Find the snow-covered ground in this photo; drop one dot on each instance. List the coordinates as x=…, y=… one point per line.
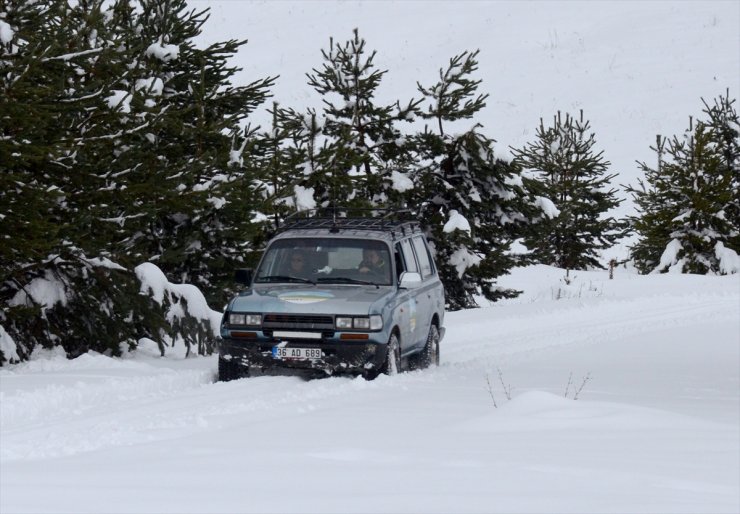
x=655, y=361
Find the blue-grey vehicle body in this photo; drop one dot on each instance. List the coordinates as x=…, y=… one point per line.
x=338, y=313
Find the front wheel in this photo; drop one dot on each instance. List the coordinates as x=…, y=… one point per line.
x=228, y=370
x=430, y=353
x=392, y=364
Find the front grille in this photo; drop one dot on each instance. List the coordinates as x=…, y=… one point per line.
x=325, y=334
x=298, y=322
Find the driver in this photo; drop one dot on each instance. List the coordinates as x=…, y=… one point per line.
x=372, y=262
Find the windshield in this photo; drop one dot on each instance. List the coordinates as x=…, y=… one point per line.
x=326, y=261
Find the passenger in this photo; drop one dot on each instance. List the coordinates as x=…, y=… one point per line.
x=297, y=267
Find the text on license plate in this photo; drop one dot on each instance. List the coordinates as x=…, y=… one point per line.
x=296, y=353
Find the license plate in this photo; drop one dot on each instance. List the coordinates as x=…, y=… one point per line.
x=284, y=353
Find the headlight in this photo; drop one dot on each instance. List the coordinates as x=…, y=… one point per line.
x=343, y=322
x=374, y=322
x=254, y=319
x=362, y=323
x=245, y=319
x=237, y=319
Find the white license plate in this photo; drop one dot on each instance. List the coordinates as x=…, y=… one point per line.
x=279, y=352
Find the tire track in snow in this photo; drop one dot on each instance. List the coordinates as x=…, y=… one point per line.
x=88, y=416
x=187, y=402
x=476, y=345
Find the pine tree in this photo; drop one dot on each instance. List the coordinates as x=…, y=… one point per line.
x=724, y=123
x=564, y=169
x=182, y=180
x=50, y=291
x=123, y=145
x=362, y=144
x=688, y=204
x=469, y=201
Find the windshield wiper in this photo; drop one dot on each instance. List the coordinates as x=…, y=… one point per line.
x=346, y=280
x=284, y=278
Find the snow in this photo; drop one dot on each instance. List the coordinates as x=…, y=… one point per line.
x=729, y=261
x=463, y=259
x=548, y=207
x=401, y=182
x=669, y=259
x=103, y=262
x=456, y=222
x=6, y=32
x=656, y=428
x=8, y=347
x=163, y=52
x=155, y=282
x=120, y=101
x=217, y=202
x=304, y=199
x=154, y=85
x=45, y=291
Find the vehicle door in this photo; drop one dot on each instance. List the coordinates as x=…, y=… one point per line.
x=426, y=295
x=407, y=306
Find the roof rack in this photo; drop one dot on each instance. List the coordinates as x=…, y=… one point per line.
x=346, y=218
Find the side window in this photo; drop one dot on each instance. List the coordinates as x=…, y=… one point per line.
x=422, y=254
x=398, y=256
x=408, y=255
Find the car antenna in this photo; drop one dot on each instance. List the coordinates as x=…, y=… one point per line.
x=334, y=228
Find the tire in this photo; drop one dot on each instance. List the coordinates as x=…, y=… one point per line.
x=392, y=365
x=228, y=370
x=430, y=354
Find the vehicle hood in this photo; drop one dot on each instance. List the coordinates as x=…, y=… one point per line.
x=308, y=299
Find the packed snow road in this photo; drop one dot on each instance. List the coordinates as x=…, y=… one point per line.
x=654, y=361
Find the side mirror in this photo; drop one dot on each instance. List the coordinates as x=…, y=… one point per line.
x=243, y=276
x=410, y=280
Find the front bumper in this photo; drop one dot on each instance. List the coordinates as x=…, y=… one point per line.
x=362, y=357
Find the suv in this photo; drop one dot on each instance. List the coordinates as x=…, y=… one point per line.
x=336, y=295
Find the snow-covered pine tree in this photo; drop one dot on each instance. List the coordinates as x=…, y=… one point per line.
x=286, y=157
x=180, y=166
x=688, y=204
x=723, y=120
x=361, y=145
x=53, y=289
x=29, y=200
x=562, y=167
x=470, y=202
x=117, y=137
